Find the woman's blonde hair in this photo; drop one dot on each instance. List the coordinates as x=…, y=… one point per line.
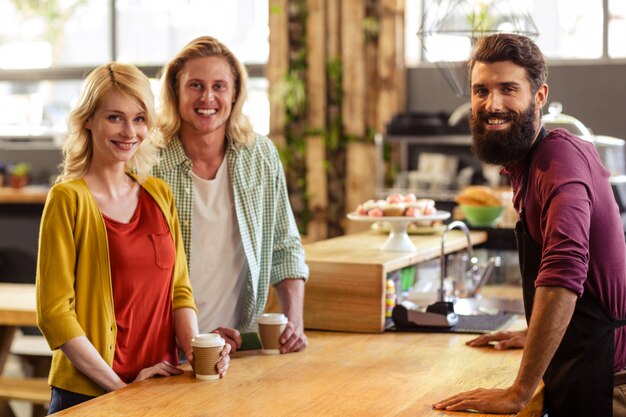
x=78, y=147
x=238, y=129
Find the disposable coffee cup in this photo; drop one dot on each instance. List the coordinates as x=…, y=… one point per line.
x=271, y=327
x=206, y=354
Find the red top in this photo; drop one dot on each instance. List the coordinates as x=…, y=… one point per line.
x=142, y=257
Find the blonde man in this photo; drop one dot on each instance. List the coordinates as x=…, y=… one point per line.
x=239, y=232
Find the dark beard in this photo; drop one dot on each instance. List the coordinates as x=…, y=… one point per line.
x=503, y=147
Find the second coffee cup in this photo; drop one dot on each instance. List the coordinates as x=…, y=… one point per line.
x=206, y=354
x=271, y=327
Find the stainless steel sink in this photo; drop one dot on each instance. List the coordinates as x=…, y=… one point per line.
x=480, y=305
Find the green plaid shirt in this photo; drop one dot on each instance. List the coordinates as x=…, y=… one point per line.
x=268, y=230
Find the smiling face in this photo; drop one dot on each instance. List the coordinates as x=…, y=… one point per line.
x=206, y=93
x=118, y=126
x=505, y=112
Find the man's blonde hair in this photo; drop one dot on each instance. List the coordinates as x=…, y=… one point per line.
x=238, y=128
x=78, y=147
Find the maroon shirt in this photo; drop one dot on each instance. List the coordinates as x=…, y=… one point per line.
x=571, y=212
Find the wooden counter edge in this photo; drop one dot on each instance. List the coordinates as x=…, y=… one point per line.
x=26, y=195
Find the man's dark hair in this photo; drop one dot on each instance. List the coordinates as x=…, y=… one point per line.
x=518, y=49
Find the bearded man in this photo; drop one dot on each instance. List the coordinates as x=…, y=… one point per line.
x=570, y=242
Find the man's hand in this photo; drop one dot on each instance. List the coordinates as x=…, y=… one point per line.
x=293, y=338
x=291, y=297
x=504, y=340
x=498, y=401
x=232, y=337
x=160, y=369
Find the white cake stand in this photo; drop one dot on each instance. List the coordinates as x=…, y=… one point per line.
x=398, y=240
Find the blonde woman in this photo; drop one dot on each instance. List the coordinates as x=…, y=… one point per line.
x=228, y=183
x=113, y=293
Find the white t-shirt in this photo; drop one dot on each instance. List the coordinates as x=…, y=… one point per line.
x=218, y=269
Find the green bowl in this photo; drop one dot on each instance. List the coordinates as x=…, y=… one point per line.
x=482, y=216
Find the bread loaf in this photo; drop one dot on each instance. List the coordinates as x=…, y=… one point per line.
x=478, y=195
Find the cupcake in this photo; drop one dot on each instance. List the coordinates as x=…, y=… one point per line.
x=394, y=205
x=394, y=209
x=370, y=208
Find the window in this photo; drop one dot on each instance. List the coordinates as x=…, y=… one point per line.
x=46, y=49
x=568, y=29
x=55, y=33
x=617, y=28
x=150, y=32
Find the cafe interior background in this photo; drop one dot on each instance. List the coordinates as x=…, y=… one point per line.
x=362, y=97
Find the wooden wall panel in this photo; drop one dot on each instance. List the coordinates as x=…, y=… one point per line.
x=333, y=24
x=360, y=180
x=373, y=85
x=316, y=62
x=390, y=62
x=316, y=91
x=353, y=58
x=277, y=66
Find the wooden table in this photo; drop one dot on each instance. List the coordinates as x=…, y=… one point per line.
x=17, y=308
x=339, y=374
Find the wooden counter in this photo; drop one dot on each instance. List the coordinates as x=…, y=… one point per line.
x=26, y=195
x=339, y=374
x=346, y=287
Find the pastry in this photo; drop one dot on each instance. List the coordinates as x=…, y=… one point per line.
x=478, y=195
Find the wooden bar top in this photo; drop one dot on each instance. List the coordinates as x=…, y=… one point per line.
x=339, y=374
x=31, y=194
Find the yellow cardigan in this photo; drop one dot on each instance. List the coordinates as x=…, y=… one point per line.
x=74, y=295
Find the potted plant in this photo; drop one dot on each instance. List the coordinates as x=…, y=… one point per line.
x=18, y=175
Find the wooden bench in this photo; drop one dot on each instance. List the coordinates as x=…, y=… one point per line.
x=34, y=390
x=35, y=356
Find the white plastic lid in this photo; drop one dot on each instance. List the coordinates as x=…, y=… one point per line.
x=208, y=340
x=272, y=318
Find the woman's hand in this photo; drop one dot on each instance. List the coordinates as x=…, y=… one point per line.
x=224, y=362
x=160, y=369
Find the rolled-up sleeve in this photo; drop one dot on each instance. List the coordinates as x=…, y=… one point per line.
x=288, y=253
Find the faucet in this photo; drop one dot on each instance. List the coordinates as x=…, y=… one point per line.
x=477, y=279
x=441, y=313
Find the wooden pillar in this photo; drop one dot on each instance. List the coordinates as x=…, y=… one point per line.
x=353, y=58
x=316, y=91
x=360, y=181
x=277, y=66
x=391, y=71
